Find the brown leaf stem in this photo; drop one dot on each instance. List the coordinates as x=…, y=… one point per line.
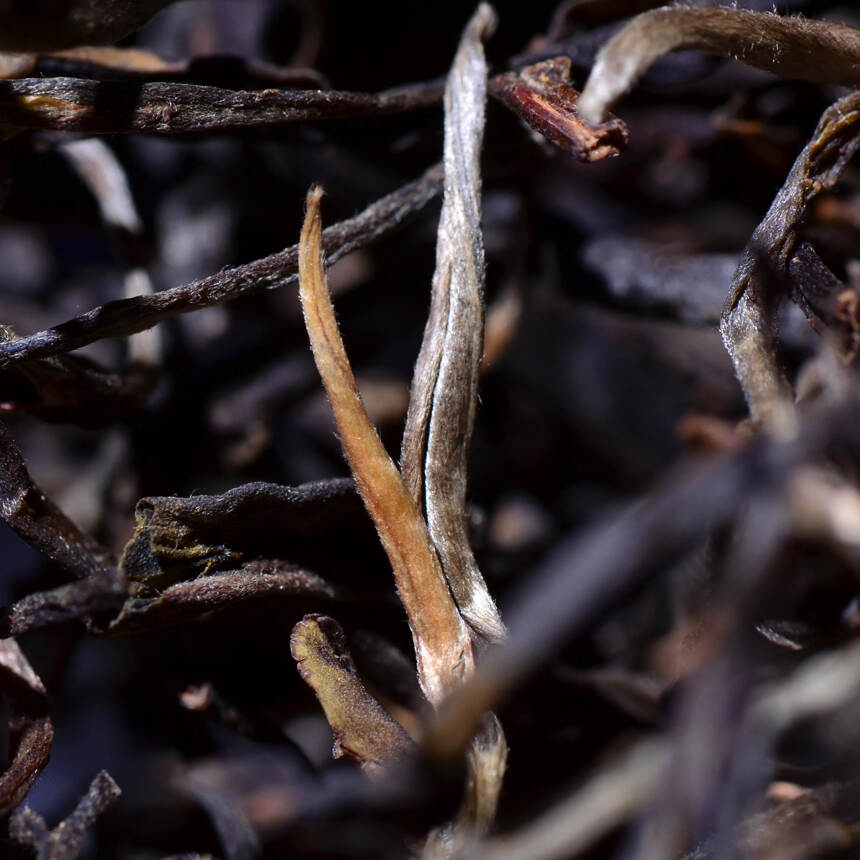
x=171, y=108
x=541, y=95
x=128, y=316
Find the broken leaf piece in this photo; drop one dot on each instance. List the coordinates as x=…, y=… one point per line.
x=89, y=600
x=70, y=389
x=30, y=733
x=37, y=520
x=541, y=95
x=828, y=303
x=66, y=840
x=362, y=729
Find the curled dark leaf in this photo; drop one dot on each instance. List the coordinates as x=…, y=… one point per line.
x=66, y=840
x=827, y=301
x=178, y=539
x=92, y=600
x=190, y=558
x=70, y=389
x=749, y=322
x=30, y=732
x=255, y=584
x=33, y=516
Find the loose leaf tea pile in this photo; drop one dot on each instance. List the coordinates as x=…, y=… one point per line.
x=429, y=435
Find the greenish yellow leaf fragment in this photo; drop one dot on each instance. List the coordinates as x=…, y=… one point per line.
x=362, y=729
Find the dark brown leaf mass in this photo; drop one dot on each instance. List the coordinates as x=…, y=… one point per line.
x=519, y=472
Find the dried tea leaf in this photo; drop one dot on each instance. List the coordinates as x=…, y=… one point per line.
x=749, y=325
x=105, y=58
x=487, y=760
x=441, y=414
x=25, y=65
x=90, y=600
x=541, y=95
x=128, y=316
x=828, y=303
x=443, y=647
x=30, y=730
x=442, y=403
x=66, y=840
x=177, y=539
x=588, y=572
x=255, y=583
x=70, y=389
x=100, y=170
x=36, y=519
x=793, y=47
x=362, y=729
x=118, y=106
